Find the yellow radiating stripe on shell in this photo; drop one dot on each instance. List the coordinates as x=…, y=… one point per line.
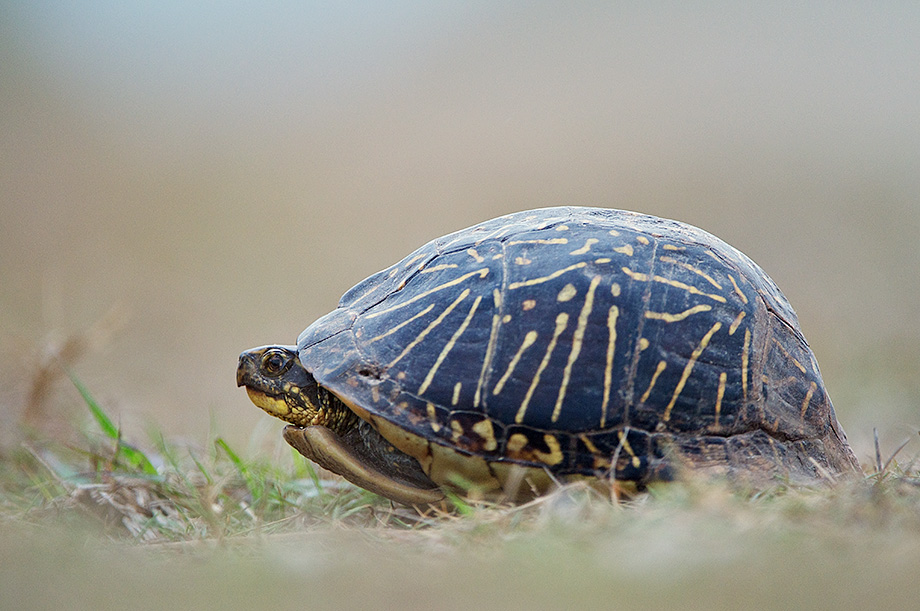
x=612, y=315
x=529, y=339
x=577, y=340
x=808, y=395
x=689, y=368
x=555, y=274
x=584, y=249
x=744, y=363
x=549, y=241
x=567, y=293
x=562, y=320
x=691, y=268
x=668, y=317
x=429, y=328
x=736, y=323
x=648, y=391
x=456, y=396
x=401, y=325
x=437, y=268
x=719, y=394
x=490, y=347
x=640, y=277
x=449, y=346
x=738, y=290
x=482, y=273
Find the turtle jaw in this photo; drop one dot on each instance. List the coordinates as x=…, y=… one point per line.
x=277, y=383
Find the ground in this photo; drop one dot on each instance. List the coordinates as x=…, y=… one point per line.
x=99, y=524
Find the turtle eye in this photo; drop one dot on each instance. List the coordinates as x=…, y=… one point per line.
x=275, y=362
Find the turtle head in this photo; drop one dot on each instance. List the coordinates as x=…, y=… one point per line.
x=277, y=382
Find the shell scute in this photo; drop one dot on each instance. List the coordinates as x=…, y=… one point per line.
x=576, y=340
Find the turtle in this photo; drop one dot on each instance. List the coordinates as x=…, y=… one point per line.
x=551, y=345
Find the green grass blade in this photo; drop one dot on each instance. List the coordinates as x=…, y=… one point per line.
x=105, y=423
x=254, y=490
x=132, y=456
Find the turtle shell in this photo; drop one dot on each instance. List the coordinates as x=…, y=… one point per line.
x=580, y=342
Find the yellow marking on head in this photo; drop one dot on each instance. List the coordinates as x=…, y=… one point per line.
x=517, y=442
x=615, y=289
x=614, y=232
x=433, y=417
x=275, y=406
x=672, y=247
x=626, y=249
x=528, y=304
x=736, y=323
x=603, y=260
x=643, y=344
x=522, y=261
x=437, y=268
x=738, y=290
x=434, y=323
x=691, y=268
x=624, y=443
x=584, y=249
x=562, y=228
x=456, y=396
x=506, y=318
x=449, y=346
x=642, y=239
x=482, y=273
x=375, y=394
x=490, y=348
x=498, y=256
x=668, y=317
x=567, y=293
x=541, y=280
x=472, y=252
x=612, y=315
x=808, y=395
x=562, y=320
x=393, y=272
x=648, y=391
x=401, y=325
x=549, y=241
x=483, y=428
x=577, y=339
x=529, y=339
x=744, y=363
x=640, y=277
x=689, y=368
x=719, y=394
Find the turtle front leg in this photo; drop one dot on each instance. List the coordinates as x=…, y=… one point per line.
x=357, y=464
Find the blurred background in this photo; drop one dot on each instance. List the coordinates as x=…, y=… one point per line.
x=182, y=181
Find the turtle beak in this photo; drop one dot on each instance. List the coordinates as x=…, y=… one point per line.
x=245, y=368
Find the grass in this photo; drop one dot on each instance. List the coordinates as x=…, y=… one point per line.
x=104, y=524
